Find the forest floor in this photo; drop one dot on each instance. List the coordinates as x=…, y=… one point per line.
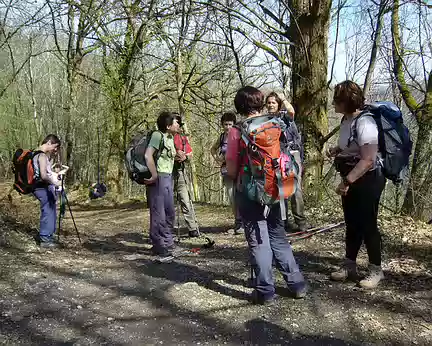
x=108, y=291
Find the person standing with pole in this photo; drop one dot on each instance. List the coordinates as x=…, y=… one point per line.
x=182, y=181
x=45, y=188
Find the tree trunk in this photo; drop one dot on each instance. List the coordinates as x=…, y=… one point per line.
x=309, y=28
x=419, y=187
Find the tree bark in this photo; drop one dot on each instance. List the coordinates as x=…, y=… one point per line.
x=309, y=26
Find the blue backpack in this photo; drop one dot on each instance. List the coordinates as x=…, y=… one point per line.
x=394, y=141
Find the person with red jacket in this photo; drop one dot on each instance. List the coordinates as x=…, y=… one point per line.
x=182, y=180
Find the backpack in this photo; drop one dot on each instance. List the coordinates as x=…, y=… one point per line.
x=292, y=133
x=135, y=161
x=24, y=170
x=268, y=173
x=394, y=141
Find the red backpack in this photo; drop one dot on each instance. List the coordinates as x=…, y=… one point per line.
x=24, y=170
x=268, y=171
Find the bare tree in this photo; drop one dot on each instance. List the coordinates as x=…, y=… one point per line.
x=376, y=42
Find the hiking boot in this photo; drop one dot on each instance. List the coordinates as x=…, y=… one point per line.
x=290, y=227
x=239, y=231
x=373, y=278
x=194, y=234
x=348, y=270
x=49, y=245
x=302, y=227
x=161, y=251
x=298, y=292
x=257, y=299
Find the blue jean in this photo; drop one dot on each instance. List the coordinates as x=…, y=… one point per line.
x=48, y=217
x=162, y=212
x=267, y=239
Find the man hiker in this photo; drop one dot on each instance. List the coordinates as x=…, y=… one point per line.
x=264, y=229
x=218, y=151
x=275, y=105
x=46, y=183
x=160, y=185
x=182, y=181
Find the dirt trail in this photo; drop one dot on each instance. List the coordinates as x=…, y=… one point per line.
x=99, y=294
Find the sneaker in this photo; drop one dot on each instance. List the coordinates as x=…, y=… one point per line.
x=176, y=250
x=257, y=299
x=348, y=270
x=165, y=258
x=373, y=278
x=194, y=234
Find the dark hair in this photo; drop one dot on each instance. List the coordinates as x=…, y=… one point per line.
x=51, y=138
x=277, y=98
x=350, y=95
x=164, y=120
x=179, y=119
x=248, y=100
x=228, y=116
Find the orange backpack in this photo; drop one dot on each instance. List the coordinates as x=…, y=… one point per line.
x=23, y=168
x=268, y=172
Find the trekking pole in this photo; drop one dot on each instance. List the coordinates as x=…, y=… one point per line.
x=61, y=214
x=70, y=210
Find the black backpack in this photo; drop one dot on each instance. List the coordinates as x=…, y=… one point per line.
x=135, y=161
x=394, y=141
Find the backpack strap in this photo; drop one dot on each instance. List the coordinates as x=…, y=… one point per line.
x=161, y=144
x=221, y=137
x=353, y=131
x=281, y=195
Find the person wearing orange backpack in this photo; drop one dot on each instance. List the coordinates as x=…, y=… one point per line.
x=45, y=189
x=263, y=171
x=275, y=105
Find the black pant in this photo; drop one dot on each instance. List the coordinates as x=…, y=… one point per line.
x=360, y=208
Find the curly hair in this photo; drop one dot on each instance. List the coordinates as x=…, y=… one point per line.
x=350, y=95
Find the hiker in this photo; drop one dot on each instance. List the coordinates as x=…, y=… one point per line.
x=362, y=183
x=265, y=234
x=182, y=181
x=218, y=151
x=160, y=185
x=45, y=190
x=275, y=105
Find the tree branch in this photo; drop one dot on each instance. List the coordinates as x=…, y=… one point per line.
x=398, y=68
